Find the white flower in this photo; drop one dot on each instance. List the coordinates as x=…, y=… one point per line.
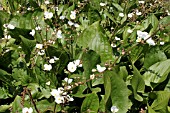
x=56, y=92
x=138, y=13
x=114, y=109
x=167, y=12
x=59, y=34
x=116, y=38
x=51, y=61
x=39, y=46
x=47, y=2
x=121, y=14
x=130, y=15
x=68, y=87
x=48, y=15
x=141, y=2
x=41, y=52
x=10, y=26
x=143, y=35
x=93, y=70
x=55, y=58
x=32, y=32
x=113, y=45
x=150, y=41
x=78, y=63
x=47, y=67
x=7, y=36
x=5, y=25
x=70, y=23
x=60, y=89
x=76, y=25
x=138, y=40
x=59, y=99
x=38, y=28
x=71, y=67
x=73, y=15
x=29, y=8
x=102, y=4
x=56, y=8
x=48, y=83
x=100, y=69
x=68, y=80
x=62, y=17
x=70, y=98
x=129, y=31
x=27, y=110
x=92, y=76
x=162, y=43
x=51, y=41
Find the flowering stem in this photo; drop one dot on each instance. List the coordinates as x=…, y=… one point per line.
x=114, y=63
x=33, y=102
x=23, y=96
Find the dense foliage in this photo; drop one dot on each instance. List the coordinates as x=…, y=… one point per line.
x=88, y=56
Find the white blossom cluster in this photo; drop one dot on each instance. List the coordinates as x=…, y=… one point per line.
x=145, y=36
x=72, y=66
x=48, y=67
x=7, y=27
x=40, y=48
x=61, y=96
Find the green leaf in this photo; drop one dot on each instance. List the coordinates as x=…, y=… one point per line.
x=150, y=110
x=161, y=102
x=4, y=108
x=123, y=19
x=94, y=38
x=167, y=87
x=138, y=84
x=154, y=22
x=119, y=92
x=3, y=93
x=93, y=15
x=80, y=91
x=107, y=87
x=165, y=21
x=90, y=59
x=95, y=4
x=5, y=77
x=118, y=7
x=90, y=104
x=16, y=105
x=110, y=16
x=136, y=53
x=97, y=81
x=102, y=104
x=27, y=21
x=21, y=75
x=45, y=105
x=123, y=72
x=34, y=88
x=157, y=73
x=27, y=44
x=153, y=56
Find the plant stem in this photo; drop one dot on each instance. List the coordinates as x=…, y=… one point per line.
x=29, y=93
